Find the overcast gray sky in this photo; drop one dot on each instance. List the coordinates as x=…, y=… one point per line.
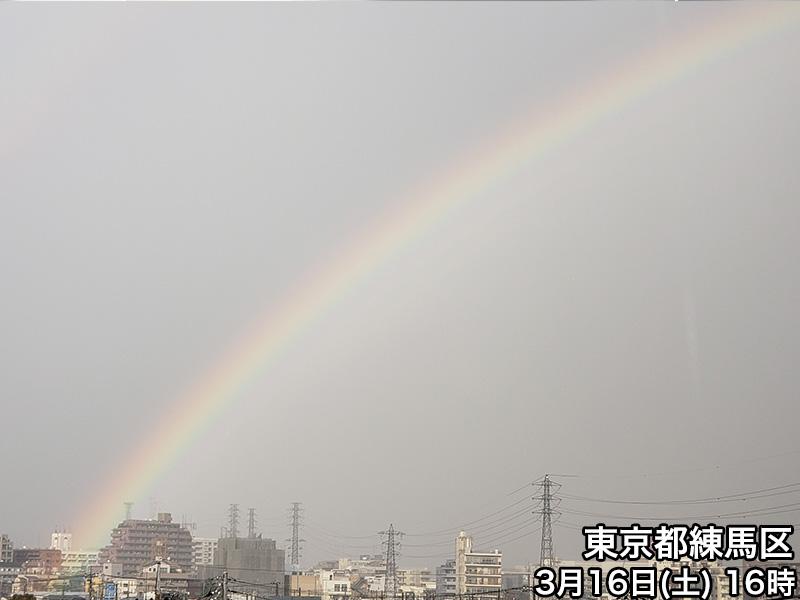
x=624, y=305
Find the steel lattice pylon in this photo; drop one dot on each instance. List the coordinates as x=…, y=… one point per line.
x=294, y=551
x=233, y=521
x=392, y=545
x=549, y=503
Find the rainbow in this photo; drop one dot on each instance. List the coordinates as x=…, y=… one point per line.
x=525, y=140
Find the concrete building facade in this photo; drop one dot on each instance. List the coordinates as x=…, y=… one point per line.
x=257, y=560
x=8, y=574
x=416, y=583
x=334, y=585
x=137, y=543
x=477, y=572
x=38, y=561
x=446, y=578
x=77, y=562
x=61, y=540
x=169, y=579
x=203, y=550
x=302, y=584
x=6, y=549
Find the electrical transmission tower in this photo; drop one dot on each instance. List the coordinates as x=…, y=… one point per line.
x=549, y=503
x=392, y=545
x=294, y=552
x=233, y=521
x=251, y=522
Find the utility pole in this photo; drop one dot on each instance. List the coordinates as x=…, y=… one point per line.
x=294, y=553
x=233, y=521
x=392, y=545
x=530, y=581
x=251, y=522
x=224, y=585
x=549, y=502
x=158, y=579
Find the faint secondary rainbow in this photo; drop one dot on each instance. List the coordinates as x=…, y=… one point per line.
x=525, y=140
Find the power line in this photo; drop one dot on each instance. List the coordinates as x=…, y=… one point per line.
x=254, y=569
x=465, y=525
x=519, y=537
x=486, y=523
x=766, y=511
x=499, y=535
x=339, y=535
x=780, y=490
x=700, y=469
x=487, y=529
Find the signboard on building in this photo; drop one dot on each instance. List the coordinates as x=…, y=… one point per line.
x=110, y=591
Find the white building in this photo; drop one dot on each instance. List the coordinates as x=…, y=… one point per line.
x=446, y=578
x=419, y=582
x=477, y=572
x=126, y=588
x=334, y=585
x=169, y=578
x=76, y=562
x=203, y=550
x=365, y=573
x=61, y=540
x=112, y=569
x=6, y=548
x=8, y=574
x=363, y=565
x=159, y=568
